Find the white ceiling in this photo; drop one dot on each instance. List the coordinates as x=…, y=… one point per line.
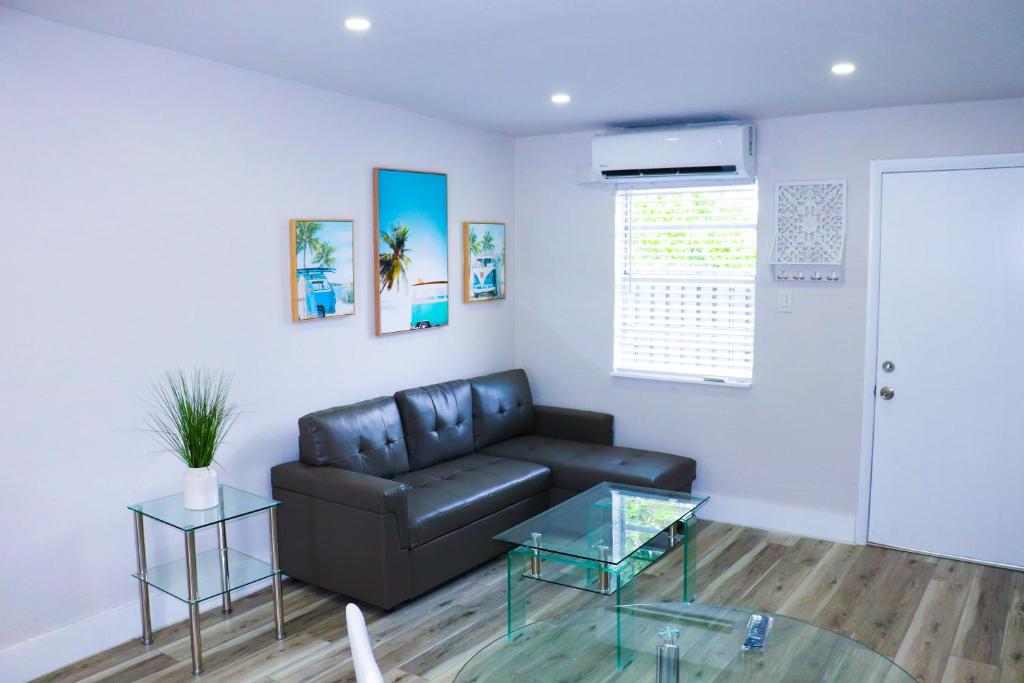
x=493, y=64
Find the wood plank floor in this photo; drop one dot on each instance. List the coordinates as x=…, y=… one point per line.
x=943, y=621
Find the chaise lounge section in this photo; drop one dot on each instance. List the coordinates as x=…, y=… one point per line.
x=394, y=496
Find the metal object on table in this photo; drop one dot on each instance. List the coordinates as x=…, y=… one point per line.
x=140, y=563
x=225, y=570
x=533, y=562
x=275, y=566
x=193, y=605
x=604, y=578
x=668, y=656
x=886, y=393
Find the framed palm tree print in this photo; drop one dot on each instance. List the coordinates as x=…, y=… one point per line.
x=323, y=268
x=411, y=252
x=483, y=259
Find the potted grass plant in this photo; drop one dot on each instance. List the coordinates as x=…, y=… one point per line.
x=191, y=415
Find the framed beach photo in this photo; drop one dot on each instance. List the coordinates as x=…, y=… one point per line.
x=323, y=268
x=411, y=254
x=483, y=259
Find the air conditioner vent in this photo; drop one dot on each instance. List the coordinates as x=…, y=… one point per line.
x=662, y=172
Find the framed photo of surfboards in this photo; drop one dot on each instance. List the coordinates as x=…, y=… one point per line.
x=323, y=269
x=483, y=258
x=411, y=254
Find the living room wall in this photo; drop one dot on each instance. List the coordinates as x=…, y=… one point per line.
x=786, y=452
x=145, y=210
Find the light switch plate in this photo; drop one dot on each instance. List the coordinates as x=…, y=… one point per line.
x=785, y=301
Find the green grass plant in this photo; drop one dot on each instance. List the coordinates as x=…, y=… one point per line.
x=192, y=414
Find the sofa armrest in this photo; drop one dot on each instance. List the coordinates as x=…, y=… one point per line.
x=345, y=487
x=344, y=531
x=575, y=425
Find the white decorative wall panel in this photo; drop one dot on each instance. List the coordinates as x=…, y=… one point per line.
x=810, y=231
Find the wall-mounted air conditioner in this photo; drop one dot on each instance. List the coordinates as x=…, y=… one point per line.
x=697, y=153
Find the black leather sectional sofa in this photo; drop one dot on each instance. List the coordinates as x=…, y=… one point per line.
x=396, y=495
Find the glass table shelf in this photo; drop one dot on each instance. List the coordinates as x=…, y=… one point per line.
x=172, y=577
x=234, y=503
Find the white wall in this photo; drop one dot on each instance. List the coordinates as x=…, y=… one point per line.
x=145, y=205
x=145, y=201
x=784, y=453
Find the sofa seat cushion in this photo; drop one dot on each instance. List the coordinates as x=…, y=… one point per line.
x=460, y=491
x=576, y=465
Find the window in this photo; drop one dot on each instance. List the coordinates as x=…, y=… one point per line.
x=685, y=260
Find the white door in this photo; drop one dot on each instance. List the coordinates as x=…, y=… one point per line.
x=947, y=472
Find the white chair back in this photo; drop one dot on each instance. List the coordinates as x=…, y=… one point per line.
x=365, y=665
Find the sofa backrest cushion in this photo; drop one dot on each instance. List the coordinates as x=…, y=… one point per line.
x=438, y=422
x=363, y=437
x=502, y=407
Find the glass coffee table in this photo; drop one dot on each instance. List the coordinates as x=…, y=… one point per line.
x=581, y=646
x=599, y=541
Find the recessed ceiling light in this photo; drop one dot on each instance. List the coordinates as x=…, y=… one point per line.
x=561, y=98
x=357, y=24
x=843, y=68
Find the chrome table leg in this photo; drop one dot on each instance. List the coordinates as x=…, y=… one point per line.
x=275, y=565
x=193, y=604
x=225, y=571
x=140, y=562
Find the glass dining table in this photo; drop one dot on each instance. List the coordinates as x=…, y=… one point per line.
x=585, y=646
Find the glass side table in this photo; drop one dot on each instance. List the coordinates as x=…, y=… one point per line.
x=208, y=574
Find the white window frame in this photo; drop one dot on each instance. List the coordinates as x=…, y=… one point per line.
x=620, y=277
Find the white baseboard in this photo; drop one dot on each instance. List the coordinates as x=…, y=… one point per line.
x=761, y=515
x=50, y=651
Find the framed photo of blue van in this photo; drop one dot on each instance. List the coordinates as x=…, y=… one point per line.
x=483, y=259
x=411, y=251
x=323, y=268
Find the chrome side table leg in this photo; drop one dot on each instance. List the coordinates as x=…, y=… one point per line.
x=193, y=604
x=225, y=571
x=140, y=562
x=275, y=565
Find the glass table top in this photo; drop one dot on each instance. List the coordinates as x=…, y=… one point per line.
x=233, y=503
x=618, y=517
x=581, y=646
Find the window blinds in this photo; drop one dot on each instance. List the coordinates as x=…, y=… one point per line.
x=685, y=260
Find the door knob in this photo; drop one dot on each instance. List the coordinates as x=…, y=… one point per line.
x=886, y=393
x=888, y=366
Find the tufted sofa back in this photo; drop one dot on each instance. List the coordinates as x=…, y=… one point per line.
x=502, y=407
x=438, y=422
x=363, y=437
